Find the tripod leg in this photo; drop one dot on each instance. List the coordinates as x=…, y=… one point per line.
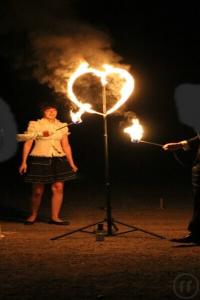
x=140, y=229
x=76, y=230
x=114, y=226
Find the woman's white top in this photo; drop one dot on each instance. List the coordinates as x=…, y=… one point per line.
x=51, y=145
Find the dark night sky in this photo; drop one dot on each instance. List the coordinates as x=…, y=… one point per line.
x=161, y=43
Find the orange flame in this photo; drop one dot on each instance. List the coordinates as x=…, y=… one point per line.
x=76, y=116
x=135, y=131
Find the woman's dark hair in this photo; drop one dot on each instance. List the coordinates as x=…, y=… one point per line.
x=45, y=105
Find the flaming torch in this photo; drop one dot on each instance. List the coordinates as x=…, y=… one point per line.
x=136, y=133
x=76, y=116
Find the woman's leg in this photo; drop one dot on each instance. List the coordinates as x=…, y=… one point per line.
x=37, y=192
x=57, y=199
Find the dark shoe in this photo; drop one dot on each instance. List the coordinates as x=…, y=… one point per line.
x=59, y=222
x=191, y=238
x=29, y=222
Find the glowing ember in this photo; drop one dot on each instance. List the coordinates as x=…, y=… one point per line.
x=76, y=116
x=84, y=68
x=135, y=131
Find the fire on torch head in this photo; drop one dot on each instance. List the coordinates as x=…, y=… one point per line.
x=76, y=116
x=135, y=131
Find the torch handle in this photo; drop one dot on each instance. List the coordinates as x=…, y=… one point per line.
x=64, y=126
x=150, y=143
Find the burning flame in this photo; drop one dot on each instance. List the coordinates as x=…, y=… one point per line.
x=135, y=131
x=84, y=68
x=76, y=116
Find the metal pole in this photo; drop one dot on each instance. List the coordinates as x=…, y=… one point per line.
x=107, y=173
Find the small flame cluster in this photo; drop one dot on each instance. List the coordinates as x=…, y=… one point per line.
x=76, y=116
x=135, y=131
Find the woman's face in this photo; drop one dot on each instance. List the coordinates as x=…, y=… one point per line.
x=50, y=113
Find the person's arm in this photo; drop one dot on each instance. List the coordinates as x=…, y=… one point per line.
x=175, y=146
x=185, y=145
x=25, y=152
x=36, y=131
x=67, y=149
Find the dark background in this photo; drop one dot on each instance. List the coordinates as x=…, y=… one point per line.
x=161, y=43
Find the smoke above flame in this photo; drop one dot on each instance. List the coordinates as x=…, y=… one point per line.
x=49, y=42
x=55, y=57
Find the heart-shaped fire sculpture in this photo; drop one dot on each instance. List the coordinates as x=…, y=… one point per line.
x=124, y=92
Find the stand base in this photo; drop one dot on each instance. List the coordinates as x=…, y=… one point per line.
x=109, y=233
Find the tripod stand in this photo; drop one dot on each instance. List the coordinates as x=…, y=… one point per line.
x=111, y=223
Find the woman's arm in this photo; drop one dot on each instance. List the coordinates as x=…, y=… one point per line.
x=67, y=149
x=25, y=152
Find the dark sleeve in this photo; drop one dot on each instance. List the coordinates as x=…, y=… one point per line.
x=193, y=141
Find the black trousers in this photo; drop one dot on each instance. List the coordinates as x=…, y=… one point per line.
x=194, y=225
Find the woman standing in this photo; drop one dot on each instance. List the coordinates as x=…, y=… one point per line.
x=47, y=159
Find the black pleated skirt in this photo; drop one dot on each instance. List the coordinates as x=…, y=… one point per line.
x=48, y=170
